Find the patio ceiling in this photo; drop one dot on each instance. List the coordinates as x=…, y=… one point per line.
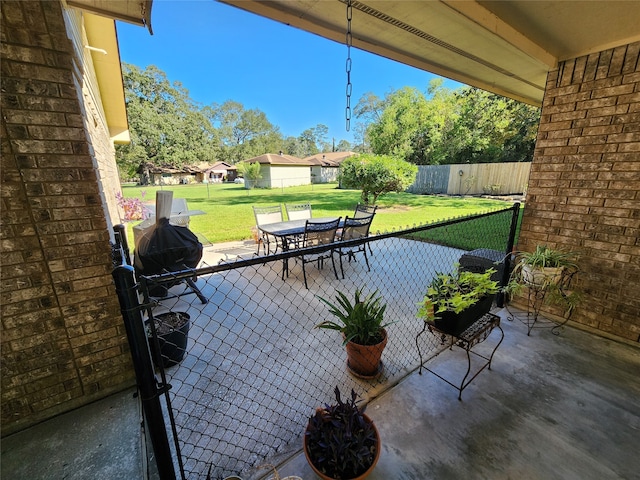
x=504, y=47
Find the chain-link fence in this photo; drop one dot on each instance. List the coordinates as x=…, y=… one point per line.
x=255, y=367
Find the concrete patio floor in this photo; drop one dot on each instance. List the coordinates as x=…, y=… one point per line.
x=562, y=406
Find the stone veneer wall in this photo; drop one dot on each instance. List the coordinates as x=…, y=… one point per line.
x=63, y=340
x=584, y=187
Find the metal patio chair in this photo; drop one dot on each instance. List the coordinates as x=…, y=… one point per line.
x=319, y=234
x=298, y=211
x=264, y=215
x=364, y=210
x=353, y=229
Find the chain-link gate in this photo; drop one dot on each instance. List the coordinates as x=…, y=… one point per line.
x=254, y=367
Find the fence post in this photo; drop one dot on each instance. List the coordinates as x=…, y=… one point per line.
x=122, y=231
x=506, y=271
x=145, y=375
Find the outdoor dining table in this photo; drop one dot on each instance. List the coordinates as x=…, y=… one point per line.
x=288, y=231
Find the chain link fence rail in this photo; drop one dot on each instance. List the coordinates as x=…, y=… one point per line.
x=255, y=368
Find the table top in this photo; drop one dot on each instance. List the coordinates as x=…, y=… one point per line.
x=291, y=227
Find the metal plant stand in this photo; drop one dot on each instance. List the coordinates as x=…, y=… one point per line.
x=477, y=333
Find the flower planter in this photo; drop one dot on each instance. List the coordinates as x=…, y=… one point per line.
x=364, y=360
x=541, y=276
x=173, y=331
x=455, y=323
x=363, y=475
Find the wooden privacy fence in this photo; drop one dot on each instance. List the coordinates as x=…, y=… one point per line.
x=472, y=179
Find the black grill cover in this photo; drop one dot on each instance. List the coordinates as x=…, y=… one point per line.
x=167, y=248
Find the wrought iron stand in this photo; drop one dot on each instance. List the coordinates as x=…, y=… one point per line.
x=477, y=333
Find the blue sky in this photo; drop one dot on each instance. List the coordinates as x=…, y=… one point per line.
x=297, y=79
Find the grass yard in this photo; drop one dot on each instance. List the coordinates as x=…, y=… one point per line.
x=230, y=216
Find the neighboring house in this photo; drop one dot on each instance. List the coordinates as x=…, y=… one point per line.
x=326, y=166
x=220, y=172
x=280, y=170
x=165, y=175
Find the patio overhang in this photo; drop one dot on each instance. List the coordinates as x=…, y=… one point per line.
x=503, y=47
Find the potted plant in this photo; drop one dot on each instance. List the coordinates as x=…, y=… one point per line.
x=543, y=266
x=364, y=333
x=340, y=441
x=455, y=300
x=548, y=273
x=172, y=330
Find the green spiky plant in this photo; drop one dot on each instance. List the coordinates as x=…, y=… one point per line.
x=360, y=322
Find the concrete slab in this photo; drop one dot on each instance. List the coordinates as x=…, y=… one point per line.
x=101, y=441
x=551, y=407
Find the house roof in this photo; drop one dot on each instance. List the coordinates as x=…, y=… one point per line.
x=220, y=167
x=329, y=159
x=506, y=47
x=278, y=159
x=137, y=12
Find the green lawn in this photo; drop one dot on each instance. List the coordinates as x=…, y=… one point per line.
x=230, y=216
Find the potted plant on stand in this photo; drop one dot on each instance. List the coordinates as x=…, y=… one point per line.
x=340, y=441
x=455, y=300
x=364, y=333
x=544, y=266
x=547, y=274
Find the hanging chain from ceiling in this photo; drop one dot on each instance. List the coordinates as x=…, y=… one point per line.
x=349, y=42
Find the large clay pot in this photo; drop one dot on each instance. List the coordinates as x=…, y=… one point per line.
x=360, y=477
x=364, y=360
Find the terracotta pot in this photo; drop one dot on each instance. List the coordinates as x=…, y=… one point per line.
x=364, y=360
x=360, y=477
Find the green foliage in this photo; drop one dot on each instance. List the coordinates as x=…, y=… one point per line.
x=543, y=256
x=166, y=126
x=455, y=292
x=446, y=126
x=244, y=133
x=250, y=171
x=360, y=321
x=528, y=272
x=376, y=175
x=341, y=443
x=230, y=205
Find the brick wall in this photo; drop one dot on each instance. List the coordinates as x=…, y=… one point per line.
x=63, y=341
x=584, y=187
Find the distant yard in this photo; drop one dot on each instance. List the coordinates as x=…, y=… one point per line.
x=230, y=216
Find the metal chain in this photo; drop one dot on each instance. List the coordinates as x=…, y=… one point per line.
x=349, y=42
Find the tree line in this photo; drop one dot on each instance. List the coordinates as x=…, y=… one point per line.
x=441, y=126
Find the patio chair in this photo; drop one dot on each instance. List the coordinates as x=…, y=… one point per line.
x=353, y=229
x=264, y=215
x=298, y=211
x=318, y=234
x=364, y=210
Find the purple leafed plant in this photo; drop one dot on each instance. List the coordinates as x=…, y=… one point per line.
x=133, y=208
x=341, y=443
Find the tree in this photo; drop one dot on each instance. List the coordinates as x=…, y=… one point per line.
x=250, y=172
x=244, y=133
x=467, y=125
x=376, y=175
x=166, y=126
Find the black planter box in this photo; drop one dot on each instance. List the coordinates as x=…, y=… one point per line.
x=455, y=323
